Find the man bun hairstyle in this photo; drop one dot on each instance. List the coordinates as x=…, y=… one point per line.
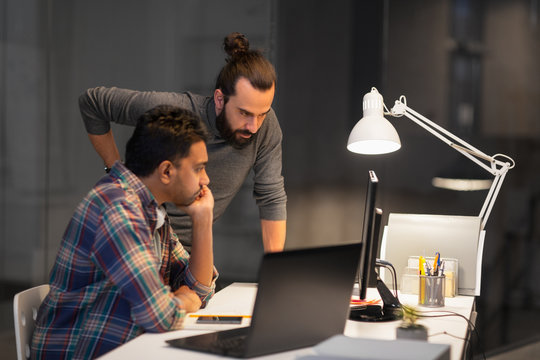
x=244, y=62
x=235, y=44
x=162, y=133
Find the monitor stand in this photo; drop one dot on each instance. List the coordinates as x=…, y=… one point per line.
x=390, y=311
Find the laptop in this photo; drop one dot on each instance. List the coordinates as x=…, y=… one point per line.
x=303, y=298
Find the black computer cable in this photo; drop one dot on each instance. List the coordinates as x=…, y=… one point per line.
x=444, y=313
x=388, y=265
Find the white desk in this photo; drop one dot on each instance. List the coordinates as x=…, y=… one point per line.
x=238, y=299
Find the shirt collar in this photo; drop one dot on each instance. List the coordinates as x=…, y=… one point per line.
x=161, y=216
x=120, y=172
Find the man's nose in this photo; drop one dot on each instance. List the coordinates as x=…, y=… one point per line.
x=205, y=180
x=251, y=125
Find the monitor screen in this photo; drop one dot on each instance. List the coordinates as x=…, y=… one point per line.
x=367, y=261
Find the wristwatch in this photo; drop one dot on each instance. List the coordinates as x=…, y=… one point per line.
x=107, y=169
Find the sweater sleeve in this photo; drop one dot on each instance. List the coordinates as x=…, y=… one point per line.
x=269, y=187
x=100, y=106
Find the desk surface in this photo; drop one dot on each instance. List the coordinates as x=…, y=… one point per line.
x=239, y=298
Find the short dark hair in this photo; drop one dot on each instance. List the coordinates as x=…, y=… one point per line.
x=243, y=62
x=162, y=133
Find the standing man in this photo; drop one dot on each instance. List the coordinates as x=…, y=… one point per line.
x=120, y=270
x=244, y=135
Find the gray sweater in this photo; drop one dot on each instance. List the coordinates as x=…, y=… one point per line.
x=227, y=167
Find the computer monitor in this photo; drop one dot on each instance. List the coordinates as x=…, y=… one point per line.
x=367, y=262
x=368, y=276
x=375, y=249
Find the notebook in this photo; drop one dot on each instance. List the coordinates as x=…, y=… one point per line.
x=303, y=297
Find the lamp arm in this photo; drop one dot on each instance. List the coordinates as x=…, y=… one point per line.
x=400, y=108
x=492, y=194
x=496, y=167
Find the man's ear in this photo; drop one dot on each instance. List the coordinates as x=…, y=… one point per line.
x=219, y=100
x=165, y=171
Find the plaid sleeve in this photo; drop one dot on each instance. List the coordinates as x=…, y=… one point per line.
x=122, y=249
x=183, y=275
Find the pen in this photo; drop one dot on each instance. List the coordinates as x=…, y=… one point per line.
x=428, y=272
x=436, y=263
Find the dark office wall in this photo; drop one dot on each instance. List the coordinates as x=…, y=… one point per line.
x=329, y=55
x=325, y=66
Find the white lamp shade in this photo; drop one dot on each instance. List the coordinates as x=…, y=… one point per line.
x=373, y=134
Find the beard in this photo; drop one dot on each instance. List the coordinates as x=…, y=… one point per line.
x=230, y=135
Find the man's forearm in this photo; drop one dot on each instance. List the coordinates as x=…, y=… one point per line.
x=106, y=148
x=273, y=234
x=201, y=258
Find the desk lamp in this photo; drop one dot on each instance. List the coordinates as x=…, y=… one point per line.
x=374, y=134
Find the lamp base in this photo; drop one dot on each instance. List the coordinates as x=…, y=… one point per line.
x=390, y=311
x=375, y=313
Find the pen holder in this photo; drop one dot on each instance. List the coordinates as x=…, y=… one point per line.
x=431, y=290
x=409, y=276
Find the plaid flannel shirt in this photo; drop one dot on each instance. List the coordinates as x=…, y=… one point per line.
x=107, y=285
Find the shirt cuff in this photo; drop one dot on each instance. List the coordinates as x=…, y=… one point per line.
x=204, y=292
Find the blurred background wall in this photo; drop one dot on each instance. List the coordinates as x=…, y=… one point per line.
x=470, y=66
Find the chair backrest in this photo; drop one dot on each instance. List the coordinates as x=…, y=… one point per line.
x=25, y=309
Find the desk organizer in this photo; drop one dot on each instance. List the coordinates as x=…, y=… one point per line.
x=432, y=291
x=410, y=276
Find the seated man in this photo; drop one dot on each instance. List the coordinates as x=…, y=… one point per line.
x=120, y=270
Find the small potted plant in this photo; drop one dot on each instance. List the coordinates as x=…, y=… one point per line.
x=409, y=328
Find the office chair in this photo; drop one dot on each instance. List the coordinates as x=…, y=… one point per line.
x=25, y=309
